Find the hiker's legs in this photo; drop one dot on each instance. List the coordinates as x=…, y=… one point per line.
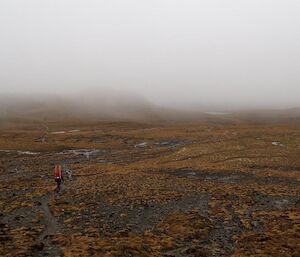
x=58, y=185
x=57, y=189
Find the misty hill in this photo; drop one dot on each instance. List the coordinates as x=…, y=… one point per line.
x=94, y=104
x=116, y=105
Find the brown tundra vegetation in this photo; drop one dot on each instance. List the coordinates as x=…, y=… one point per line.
x=149, y=189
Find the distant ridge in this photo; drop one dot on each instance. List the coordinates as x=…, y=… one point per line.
x=111, y=105
x=88, y=105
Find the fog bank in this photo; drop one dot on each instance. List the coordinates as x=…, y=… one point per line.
x=197, y=55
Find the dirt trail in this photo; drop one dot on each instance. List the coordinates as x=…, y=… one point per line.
x=45, y=246
x=52, y=226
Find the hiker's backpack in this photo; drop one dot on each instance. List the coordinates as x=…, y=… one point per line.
x=57, y=172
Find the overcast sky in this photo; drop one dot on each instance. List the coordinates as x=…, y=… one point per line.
x=190, y=52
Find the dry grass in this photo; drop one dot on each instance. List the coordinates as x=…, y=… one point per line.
x=191, y=190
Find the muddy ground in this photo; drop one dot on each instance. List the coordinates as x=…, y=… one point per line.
x=150, y=190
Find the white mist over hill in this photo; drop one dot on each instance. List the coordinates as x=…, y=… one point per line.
x=113, y=105
x=179, y=54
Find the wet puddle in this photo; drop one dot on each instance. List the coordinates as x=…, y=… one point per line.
x=278, y=144
x=58, y=132
x=88, y=153
x=141, y=145
x=172, y=143
x=20, y=152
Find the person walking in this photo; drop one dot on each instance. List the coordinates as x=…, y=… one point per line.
x=58, y=177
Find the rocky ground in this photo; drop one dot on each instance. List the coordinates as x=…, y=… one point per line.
x=150, y=190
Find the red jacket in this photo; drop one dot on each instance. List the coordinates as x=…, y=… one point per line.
x=57, y=172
